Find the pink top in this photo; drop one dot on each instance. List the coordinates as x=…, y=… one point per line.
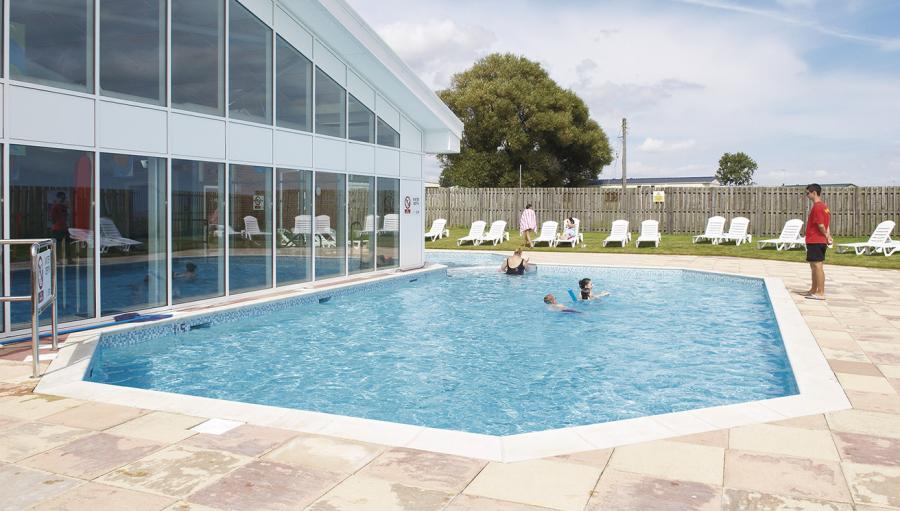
x=527, y=221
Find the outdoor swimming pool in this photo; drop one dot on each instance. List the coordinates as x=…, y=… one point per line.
x=477, y=351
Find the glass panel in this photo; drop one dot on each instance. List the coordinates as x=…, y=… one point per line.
x=52, y=42
x=361, y=202
x=198, y=243
x=51, y=196
x=133, y=49
x=362, y=122
x=330, y=106
x=389, y=230
x=198, y=56
x=132, y=233
x=387, y=136
x=329, y=225
x=295, y=221
x=250, y=66
x=294, y=88
x=250, y=232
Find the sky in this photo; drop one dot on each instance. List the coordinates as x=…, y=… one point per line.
x=808, y=88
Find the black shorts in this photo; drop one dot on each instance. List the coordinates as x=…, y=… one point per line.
x=815, y=252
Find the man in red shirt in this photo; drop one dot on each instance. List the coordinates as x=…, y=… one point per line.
x=818, y=238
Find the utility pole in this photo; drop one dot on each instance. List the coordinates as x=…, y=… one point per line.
x=625, y=168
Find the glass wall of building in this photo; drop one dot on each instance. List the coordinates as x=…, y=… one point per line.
x=133, y=50
x=362, y=121
x=198, y=230
x=132, y=233
x=362, y=221
x=249, y=66
x=294, y=77
x=330, y=225
x=51, y=196
x=250, y=230
x=52, y=43
x=389, y=230
x=198, y=56
x=387, y=136
x=331, y=105
x=295, y=226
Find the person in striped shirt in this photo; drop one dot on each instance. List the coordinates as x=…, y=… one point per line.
x=528, y=225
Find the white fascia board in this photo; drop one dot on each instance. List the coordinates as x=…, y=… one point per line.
x=353, y=40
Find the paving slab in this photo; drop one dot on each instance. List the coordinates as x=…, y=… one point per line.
x=361, y=493
x=799, y=442
x=24, y=487
x=429, y=470
x=623, y=490
x=246, y=440
x=96, y=416
x=865, y=422
x=98, y=497
x=552, y=484
x=470, y=503
x=873, y=484
x=158, y=427
x=92, y=456
x=27, y=439
x=783, y=475
x=742, y=500
x=867, y=449
x=676, y=461
x=316, y=452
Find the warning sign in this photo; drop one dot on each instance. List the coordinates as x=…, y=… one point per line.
x=44, y=278
x=407, y=205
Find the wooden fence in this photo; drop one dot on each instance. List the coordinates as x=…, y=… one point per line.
x=854, y=210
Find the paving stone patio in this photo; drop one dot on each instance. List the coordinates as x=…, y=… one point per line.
x=67, y=454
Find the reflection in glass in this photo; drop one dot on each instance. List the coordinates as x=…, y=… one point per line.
x=389, y=231
x=133, y=49
x=295, y=226
x=198, y=243
x=294, y=88
x=329, y=225
x=362, y=221
x=132, y=233
x=51, y=193
x=362, y=122
x=250, y=230
x=250, y=66
x=330, y=106
x=52, y=42
x=387, y=136
x=198, y=56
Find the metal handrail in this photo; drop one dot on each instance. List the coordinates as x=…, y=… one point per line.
x=36, y=307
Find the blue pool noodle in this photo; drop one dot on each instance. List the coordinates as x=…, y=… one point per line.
x=573, y=295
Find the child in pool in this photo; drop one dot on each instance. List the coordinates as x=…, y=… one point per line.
x=556, y=306
x=587, y=290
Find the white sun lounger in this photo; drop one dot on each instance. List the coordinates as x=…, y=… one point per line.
x=737, y=232
x=578, y=238
x=649, y=233
x=789, y=238
x=475, y=234
x=111, y=237
x=496, y=234
x=391, y=224
x=619, y=234
x=879, y=242
x=438, y=230
x=548, y=233
x=890, y=249
x=251, y=228
x=715, y=227
x=324, y=234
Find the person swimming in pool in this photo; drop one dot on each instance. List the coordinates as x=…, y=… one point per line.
x=515, y=264
x=190, y=273
x=556, y=306
x=587, y=290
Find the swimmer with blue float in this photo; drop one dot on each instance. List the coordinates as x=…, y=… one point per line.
x=587, y=292
x=556, y=306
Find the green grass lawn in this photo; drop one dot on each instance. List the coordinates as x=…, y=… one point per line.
x=680, y=245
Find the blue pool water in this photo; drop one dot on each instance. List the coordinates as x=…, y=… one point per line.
x=478, y=351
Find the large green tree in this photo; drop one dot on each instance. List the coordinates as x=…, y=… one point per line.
x=736, y=169
x=515, y=114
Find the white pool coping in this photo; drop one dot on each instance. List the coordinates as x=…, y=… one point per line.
x=820, y=392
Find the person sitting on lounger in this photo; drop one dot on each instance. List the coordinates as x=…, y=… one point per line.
x=556, y=306
x=515, y=264
x=569, y=230
x=587, y=290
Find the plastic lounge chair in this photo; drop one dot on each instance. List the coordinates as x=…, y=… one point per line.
x=737, y=232
x=438, y=230
x=391, y=223
x=301, y=231
x=891, y=248
x=879, y=241
x=649, y=233
x=619, y=234
x=325, y=235
x=548, y=234
x=111, y=237
x=715, y=227
x=476, y=231
x=789, y=237
x=578, y=238
x=496, y=234
x=251, y=228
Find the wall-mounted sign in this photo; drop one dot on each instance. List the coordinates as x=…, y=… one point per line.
x=407, y=205
x=259, y=202
x=659, y=197
x=44, y=278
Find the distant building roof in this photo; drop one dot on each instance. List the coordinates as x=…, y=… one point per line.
x=825, y=185
x=649, y=181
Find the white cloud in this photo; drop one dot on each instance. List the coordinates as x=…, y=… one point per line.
x=655, y=145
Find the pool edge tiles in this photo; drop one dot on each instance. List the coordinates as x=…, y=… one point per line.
x=819, y=392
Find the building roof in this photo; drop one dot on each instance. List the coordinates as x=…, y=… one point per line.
x=825, y=185
x=654, y=180
x=347, y=34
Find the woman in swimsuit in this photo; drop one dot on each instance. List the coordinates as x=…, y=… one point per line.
x=515, y=264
